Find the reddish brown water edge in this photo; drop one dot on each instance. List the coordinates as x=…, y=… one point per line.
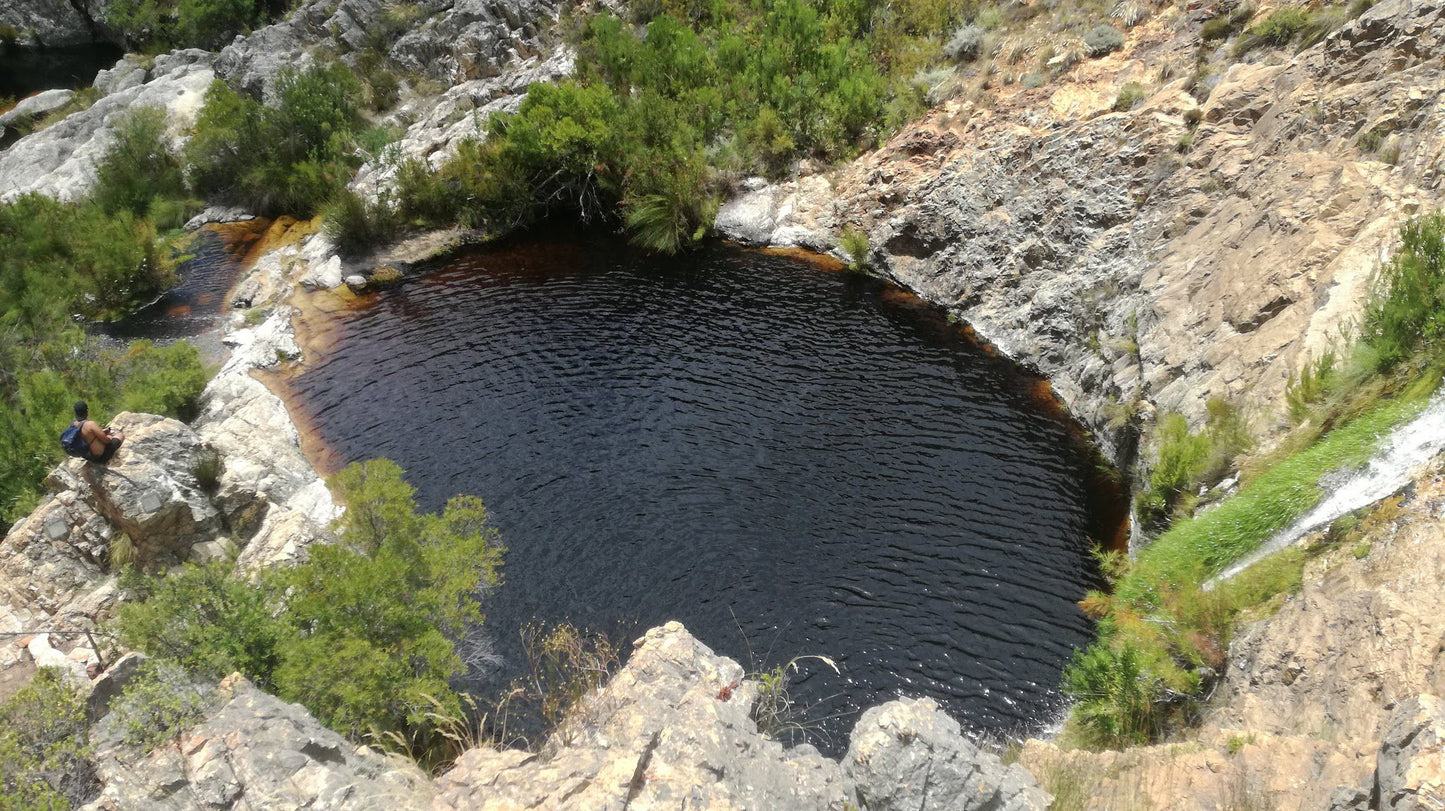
x=789, y=459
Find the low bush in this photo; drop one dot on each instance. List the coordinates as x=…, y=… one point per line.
x=1405, y=313
x=287, y=159
x=159, y=703
x=45, y=747
x=1103, y=39
x=853, y=242
x=1129, y=97
x=1281, y=26
x=966, y=43
x=1187, y=460
x=354, y=225
x=138, y=169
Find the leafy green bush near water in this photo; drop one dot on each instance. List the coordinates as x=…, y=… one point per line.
x=657, y=119
x=360, y=633
x=287, y=159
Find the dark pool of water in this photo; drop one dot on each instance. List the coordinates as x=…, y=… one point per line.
x=24, y=71
x=194, y=308
x=787, y=459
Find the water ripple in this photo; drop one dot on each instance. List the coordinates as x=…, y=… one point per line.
x=736, y=435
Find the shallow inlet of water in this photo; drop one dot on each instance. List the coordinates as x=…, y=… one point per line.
x=789, y=460
x=194, y=308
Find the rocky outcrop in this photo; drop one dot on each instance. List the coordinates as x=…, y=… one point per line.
x=151, y=507
x=436, y=125
x=474, y=39
x=57, y=23
x=673, y=730
x=59, y=161
x=1153, y=258
x=1410, y=768
x=253, y=750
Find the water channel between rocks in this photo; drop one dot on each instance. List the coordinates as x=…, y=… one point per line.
x=790, y=460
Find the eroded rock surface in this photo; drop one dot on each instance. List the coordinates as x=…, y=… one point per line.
x=672, y=730
x=254, y=751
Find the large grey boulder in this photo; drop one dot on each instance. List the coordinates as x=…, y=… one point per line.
x=35, y=106
x=1410, y=771
x=908, y=754
x=149, y=490
x=58, y=23
x=254, y=751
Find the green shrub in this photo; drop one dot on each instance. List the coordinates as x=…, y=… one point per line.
x=966, y=43
x=1188, y=460
x=1224, y=27
x=287, y=159
x=166, y=380
x=45, y=747
x=138, y=168
x=381, y=607
x=1406, y=308
x=854, y=243
x=160, y=25
x=204, y=620
x=1103, y=39
x=1120, y=703
x=1281, y=26
x=355, y=225
x=159, y=703
x=211, y=24
x=1129, y=96
x=1311, y=386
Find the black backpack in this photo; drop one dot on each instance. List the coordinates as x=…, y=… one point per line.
x=72, y=441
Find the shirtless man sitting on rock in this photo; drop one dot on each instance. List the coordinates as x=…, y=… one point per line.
x=103, y=443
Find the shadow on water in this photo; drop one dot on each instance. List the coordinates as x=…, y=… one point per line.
x=195, y=307
x=787, y=459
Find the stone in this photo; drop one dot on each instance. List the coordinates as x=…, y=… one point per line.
x=110, y=684
x=50, y=24
x=253, y=750
x=59, y=161
x=36, y=106
x=217, y=214
x=908, y=754
x=130, y=71
x=1410, y=770
x=356, y=281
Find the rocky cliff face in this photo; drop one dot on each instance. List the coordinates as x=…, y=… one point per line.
x=1153, y=258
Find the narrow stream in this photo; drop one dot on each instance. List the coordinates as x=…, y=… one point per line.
x=789, y=460
x=1408, y=449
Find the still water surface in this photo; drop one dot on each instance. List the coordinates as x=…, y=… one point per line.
x=788, y=460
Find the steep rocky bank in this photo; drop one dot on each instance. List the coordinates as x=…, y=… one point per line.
x=1153, y=258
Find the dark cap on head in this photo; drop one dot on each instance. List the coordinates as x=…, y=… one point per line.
x=81, y=410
